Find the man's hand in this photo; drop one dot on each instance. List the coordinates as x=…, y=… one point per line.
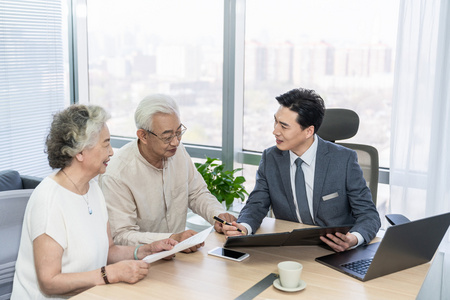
x=232, y=230
x=185, y=235
x=158, y=246
x=226, y=217
x=340, y=242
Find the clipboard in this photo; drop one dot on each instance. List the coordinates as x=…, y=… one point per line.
x=297, y=237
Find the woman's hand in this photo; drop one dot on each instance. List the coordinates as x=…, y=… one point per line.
x=130, y=271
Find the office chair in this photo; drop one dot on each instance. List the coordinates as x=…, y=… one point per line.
x=340, y=124
x=12, y=210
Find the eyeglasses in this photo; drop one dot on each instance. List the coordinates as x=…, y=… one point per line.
x=166, y=138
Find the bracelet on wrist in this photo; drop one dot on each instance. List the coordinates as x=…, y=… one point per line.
x=136, y=250
x=105, y=278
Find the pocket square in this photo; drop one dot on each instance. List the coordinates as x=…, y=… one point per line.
x=330, y=196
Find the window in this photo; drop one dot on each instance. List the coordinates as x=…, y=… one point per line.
x=344, y=50
x=33, y=80
x=140, y=47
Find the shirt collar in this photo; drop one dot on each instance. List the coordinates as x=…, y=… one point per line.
x=308, y=156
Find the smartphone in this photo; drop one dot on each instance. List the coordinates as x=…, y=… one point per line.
x=228, y=254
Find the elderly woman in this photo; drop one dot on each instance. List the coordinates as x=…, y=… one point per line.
x=66, y=245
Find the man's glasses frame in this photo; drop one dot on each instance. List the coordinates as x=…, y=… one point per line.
x=168, y=139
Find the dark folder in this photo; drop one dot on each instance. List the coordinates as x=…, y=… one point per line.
x=297, y=237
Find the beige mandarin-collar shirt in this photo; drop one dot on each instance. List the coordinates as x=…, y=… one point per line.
x=146, y=204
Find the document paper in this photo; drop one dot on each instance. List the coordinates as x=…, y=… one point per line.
x=187, y=243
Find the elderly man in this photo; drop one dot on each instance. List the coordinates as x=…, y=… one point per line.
x=151, y=182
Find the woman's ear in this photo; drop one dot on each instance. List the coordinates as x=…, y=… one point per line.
x=80, y=156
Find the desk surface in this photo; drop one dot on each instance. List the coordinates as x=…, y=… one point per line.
x=202, y=276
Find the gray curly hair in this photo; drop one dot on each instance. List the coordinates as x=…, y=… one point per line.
x=75, y=128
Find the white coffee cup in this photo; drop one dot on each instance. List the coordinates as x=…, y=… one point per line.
x=290, y=272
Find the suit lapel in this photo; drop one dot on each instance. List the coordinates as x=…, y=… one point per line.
x=283, y=165
x=322, y=162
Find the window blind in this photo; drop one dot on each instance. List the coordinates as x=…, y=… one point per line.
x=32, y=85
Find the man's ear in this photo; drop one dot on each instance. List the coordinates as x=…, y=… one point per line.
x=142, y=135
x=310, y=131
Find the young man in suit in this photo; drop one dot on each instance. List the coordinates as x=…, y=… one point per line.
x=326, y=189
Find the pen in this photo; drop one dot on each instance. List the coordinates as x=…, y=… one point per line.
x=224, y=222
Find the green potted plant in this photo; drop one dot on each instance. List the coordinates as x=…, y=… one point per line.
x=223, y=184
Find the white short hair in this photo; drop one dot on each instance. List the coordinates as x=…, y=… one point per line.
x=151, y=105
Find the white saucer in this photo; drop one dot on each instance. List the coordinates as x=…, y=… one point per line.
x=277, y=284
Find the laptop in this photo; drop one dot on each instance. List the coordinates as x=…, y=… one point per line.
x=403, y=246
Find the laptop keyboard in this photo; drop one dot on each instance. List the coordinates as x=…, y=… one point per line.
x=359, y=266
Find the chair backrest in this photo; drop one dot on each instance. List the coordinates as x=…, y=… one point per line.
x=339, y=124
x=368, y=160
x=10, y=180
x=12, y=210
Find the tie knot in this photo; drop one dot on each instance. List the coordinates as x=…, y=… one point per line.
x=298, y=162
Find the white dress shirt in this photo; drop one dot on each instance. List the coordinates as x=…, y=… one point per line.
x=308, y=167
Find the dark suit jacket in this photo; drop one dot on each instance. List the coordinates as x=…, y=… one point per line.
x=340, y=193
